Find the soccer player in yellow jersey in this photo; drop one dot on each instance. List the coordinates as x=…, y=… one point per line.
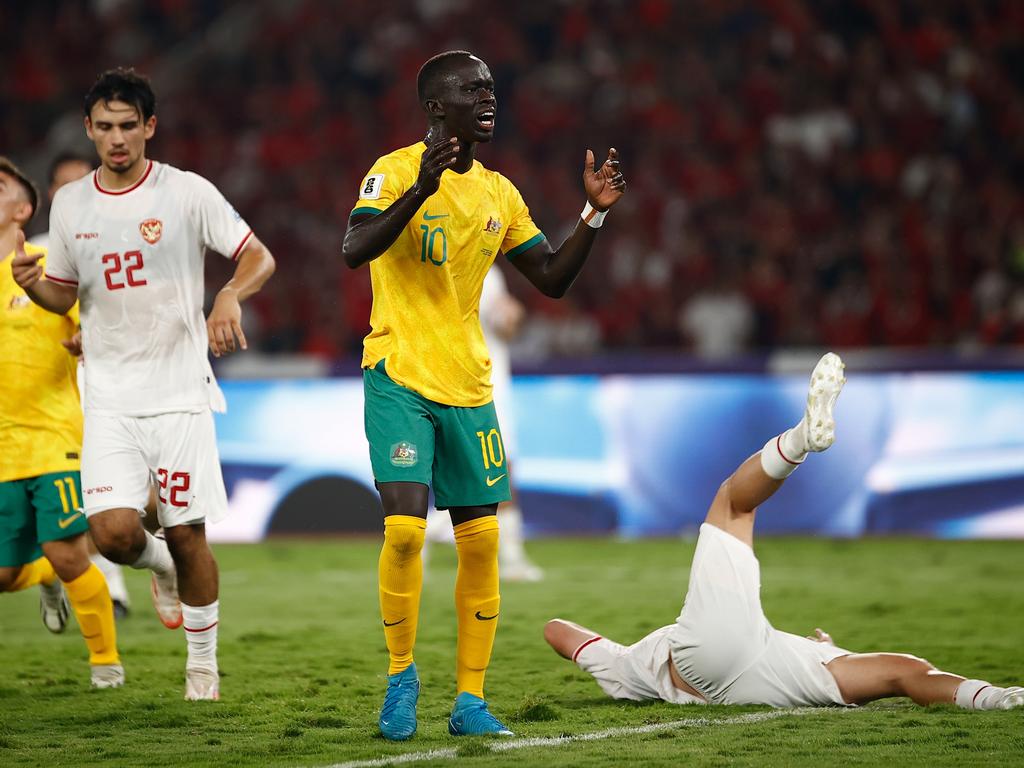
x=40, y=443
x=430, y=221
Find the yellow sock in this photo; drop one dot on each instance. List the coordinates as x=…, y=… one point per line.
x=37, y=572
x=400, y=581
x=476, y=601
x=90, y=600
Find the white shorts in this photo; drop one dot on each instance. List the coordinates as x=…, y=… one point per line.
x=123, y=456
x=638, y=672
x=723, y=645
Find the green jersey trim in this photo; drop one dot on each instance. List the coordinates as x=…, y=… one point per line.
x=525, y=246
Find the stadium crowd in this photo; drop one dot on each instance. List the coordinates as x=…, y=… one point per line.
x=835, y=172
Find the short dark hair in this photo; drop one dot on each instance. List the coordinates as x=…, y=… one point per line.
x=432, y=71
x=6, y=166
x=67, y=156
x=122, y=84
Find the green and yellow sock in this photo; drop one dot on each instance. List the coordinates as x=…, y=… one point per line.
x=476, y=601
x=37, y=572
x=90, y=600
x=400, y=582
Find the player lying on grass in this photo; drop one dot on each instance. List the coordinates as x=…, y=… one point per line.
x=722, y=649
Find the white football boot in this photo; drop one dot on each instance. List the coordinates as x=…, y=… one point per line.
x=201, y=685
x=519, y=568
x=107, y=675
x=826, y=383
x=165, y=599
x=54, y=606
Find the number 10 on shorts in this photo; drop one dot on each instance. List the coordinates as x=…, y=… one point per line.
x=173, y=487
x=491, y=448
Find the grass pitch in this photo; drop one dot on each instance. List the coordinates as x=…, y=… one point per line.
x=303, y=661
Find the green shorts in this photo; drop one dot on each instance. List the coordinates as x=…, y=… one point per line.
x=415, y=440
x=36, y=510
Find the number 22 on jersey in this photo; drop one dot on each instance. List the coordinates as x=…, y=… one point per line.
x=130, y=262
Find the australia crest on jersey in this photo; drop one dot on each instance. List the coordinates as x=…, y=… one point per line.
x=493, y=225
x=151, y=230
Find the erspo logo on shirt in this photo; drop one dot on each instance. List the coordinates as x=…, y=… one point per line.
x=151, y=230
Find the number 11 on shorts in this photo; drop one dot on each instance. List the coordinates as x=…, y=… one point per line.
x=491, y=449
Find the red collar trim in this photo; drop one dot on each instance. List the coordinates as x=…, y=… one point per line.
x=136, y=185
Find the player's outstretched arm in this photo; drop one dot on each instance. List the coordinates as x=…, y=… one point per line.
x=255, y=266
x=369, y=235
x=554, y=271
x=28, y=273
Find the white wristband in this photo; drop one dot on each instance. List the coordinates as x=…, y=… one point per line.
x=593, y=217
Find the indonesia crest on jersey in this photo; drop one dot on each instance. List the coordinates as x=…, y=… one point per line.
x=136, y=256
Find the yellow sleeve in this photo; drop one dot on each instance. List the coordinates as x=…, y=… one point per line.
x=522, y=234
x=388, y=180
x=74, y=317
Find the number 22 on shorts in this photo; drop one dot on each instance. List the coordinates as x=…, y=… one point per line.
x=173, y=485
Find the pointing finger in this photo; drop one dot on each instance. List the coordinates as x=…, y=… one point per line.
x=588, y=166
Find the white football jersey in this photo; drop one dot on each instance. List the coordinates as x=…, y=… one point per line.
x=136, y=256
x=492, y=296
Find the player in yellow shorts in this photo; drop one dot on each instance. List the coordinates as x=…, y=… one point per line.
x=40, y=446
x=430, y=221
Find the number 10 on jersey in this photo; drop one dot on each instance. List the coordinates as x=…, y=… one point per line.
x=427, y=245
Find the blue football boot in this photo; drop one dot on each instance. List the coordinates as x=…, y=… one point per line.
x=471, y=718
x=398, y=715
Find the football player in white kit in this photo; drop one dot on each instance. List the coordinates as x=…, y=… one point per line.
x=128, y=242
x=723, y=650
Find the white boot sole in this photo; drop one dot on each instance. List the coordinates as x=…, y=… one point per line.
x=826, y=383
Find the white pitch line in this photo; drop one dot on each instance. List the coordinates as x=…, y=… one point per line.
x=501, y=745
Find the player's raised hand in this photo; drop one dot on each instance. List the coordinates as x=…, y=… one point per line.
x=225, y=323
x=605, y=185
x=441, y=153
x=26, y=269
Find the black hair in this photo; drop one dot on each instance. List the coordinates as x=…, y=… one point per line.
x=67, y=156
x=122, y=84
x=6, y=166
x=433, y=70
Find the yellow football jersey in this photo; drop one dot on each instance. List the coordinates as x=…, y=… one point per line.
x=40, y=415
x=425, y=320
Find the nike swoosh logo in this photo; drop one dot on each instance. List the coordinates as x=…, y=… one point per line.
x=65, y=522
x=428, y=217
x=486, y=618
x=394, y=623
x=492, y=482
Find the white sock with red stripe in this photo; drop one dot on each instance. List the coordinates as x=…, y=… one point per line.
x=200, y=624
x=977, y=694
x=783, y=454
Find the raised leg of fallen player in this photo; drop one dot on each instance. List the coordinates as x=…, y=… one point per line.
x=184, y=585
x=855, y=678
